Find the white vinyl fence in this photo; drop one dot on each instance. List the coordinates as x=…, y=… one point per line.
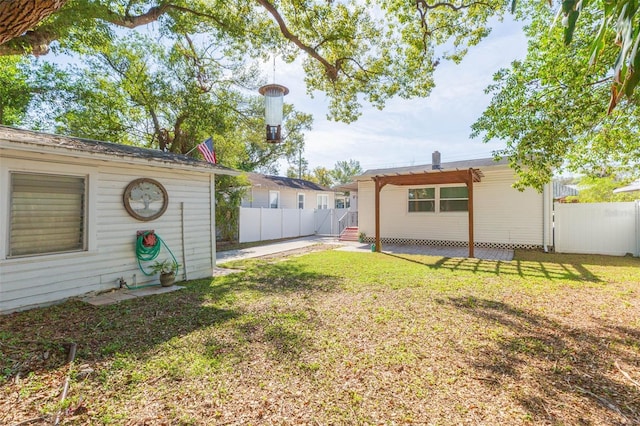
x=260, y=224
x=327, y=221
x=597, y=228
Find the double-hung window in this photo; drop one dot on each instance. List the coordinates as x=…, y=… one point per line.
x=422, y=200
x=454, y=199
x=47, y=214
x=323, y=201
x=300, y=200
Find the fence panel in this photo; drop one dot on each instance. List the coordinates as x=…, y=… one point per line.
x=290, y=223
x=249, y=225
x=259, y=224
x=271, y=224
x=307, y=224
x=597, y=228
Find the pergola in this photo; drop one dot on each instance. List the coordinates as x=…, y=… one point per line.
x=435, y=177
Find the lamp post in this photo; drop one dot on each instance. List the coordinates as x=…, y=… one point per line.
x=273, y=106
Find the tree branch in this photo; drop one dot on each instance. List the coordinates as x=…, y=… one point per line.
x=331, y=70
x=36, y=42
x=423, y=5
x=19, y=16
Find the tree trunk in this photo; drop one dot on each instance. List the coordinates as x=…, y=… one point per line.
x=19, y=16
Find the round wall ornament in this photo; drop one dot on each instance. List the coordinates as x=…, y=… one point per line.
x=145, y=199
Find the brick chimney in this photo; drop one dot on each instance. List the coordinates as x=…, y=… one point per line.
x=435, y=161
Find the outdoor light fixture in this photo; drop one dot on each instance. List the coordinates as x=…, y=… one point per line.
x=273, y=105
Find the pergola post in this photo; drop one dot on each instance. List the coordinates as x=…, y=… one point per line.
x=470, y=209
x=377, y=208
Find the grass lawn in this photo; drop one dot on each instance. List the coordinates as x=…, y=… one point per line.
x=344, y=339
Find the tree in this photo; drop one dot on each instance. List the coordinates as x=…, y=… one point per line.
x=354, y=50
x=344, y=171
x=16, y=90
x=549, y=110
x=173, y=97
x=378, y=57
x=595, y=189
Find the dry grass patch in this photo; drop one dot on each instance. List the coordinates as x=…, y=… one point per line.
x=344, y=338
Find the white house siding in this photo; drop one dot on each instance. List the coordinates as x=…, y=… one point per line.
x=37, y=280
x=502, y=215
x=259, y=198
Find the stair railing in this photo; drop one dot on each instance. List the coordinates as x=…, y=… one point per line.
x=343, y=222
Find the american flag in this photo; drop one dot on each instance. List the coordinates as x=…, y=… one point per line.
x=206, y=148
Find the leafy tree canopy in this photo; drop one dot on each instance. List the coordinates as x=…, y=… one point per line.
x=549, y=110
x=354, y=51
x=344, y=171
x=594, y=189
x=376, y=48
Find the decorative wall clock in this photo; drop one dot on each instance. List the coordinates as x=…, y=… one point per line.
x=145, y=199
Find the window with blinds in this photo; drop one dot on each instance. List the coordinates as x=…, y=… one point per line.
x=47, y=214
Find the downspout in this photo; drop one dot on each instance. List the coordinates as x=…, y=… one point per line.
x=637, y=254
x=545, y=218
x=184, y=252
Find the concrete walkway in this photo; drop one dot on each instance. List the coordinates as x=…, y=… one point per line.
x=223, y=257
x=297, y=243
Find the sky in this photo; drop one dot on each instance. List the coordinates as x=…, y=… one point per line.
x=406, y=132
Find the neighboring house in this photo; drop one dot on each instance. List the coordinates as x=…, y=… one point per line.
x=562, y=191
x=71, y=210
x=277, y=192
x=453, y=204
x=347, y=196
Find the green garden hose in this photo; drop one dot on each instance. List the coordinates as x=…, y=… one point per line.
x=149, y=253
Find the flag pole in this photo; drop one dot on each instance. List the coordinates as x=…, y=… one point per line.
x=191, y=150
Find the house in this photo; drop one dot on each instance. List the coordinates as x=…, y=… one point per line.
x=464, y=203
x=562, y=191
x=72, y=208
x=277, y=192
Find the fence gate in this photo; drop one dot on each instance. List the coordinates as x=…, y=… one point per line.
x=597, y=228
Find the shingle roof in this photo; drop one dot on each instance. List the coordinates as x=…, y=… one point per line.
x=269, y=181
x=425, y=168
x=68, y=143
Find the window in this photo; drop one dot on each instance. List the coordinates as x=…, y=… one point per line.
x=323, y=201
x=274, y=199
x=47, y=214
x=422, y=200
x=454, y=199
x=301, y=201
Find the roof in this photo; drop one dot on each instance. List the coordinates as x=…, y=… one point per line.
x=345, y=187
x=269, y=181
x=634, y=186
x=45, y=142
x=427, y=168
x=560, y=190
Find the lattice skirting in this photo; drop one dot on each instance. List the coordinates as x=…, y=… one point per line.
x=446, y=243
